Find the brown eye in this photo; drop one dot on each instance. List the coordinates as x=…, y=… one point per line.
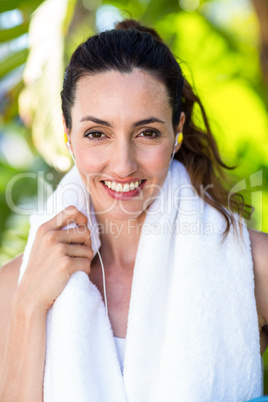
x=149, y=134
x=95, y=135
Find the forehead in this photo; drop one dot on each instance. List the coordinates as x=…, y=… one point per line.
x=128, y=94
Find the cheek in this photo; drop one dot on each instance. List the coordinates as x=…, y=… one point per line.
x=158, y=159
x=89, y=161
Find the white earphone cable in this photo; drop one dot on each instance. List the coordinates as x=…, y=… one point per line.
x=87, y=195
x=101, y=262
x=174, y=148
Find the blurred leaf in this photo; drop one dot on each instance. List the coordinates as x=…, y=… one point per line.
x=156, y=9
x=13, y=61
x=11, y=109
x=68, y=16
x=12, y=33
x=29, y=5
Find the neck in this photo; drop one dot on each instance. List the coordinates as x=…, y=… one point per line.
x=119, y=241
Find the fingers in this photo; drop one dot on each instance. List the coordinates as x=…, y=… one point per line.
x=79, y=235
x=78, y=264
x=73, y=257
x=77, y=251
x=64, y=218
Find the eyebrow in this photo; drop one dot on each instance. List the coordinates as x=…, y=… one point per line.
x=136, y=124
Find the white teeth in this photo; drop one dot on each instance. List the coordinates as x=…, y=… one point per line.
x=126, y=187
x=122, y=188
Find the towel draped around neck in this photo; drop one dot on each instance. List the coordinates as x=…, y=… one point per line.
x=192, y=332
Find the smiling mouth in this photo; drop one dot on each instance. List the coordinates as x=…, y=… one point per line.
x=122, y=188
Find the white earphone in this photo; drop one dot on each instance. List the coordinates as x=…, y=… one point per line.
x=178, y=140
x=68, y=145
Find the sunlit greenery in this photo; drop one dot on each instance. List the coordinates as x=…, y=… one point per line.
x=217, y=42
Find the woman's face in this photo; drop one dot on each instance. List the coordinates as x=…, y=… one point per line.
x=122, y=139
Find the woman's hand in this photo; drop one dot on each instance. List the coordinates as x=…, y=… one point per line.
x=56, y=254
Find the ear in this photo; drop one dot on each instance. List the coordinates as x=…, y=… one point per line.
x=179, y=129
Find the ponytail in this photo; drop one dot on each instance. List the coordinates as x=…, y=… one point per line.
x=200, y=155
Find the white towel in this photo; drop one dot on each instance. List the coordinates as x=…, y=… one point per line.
x=192, y=330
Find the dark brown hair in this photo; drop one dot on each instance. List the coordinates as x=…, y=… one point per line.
x=132, y=45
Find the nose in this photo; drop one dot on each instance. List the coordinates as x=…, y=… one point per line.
x=123, y=158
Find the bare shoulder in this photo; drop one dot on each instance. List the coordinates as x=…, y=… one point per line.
x=259, y=244
x=9, y=275
x=259, y=247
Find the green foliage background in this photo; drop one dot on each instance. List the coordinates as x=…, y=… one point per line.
x=218, y=45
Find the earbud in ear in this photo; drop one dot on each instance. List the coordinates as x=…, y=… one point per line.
x=178, y=139
x=67, y=142
x=66, y=138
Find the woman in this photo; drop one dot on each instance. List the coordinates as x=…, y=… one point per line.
x=189, y=313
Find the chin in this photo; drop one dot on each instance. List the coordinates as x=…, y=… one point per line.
x=121, y=212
